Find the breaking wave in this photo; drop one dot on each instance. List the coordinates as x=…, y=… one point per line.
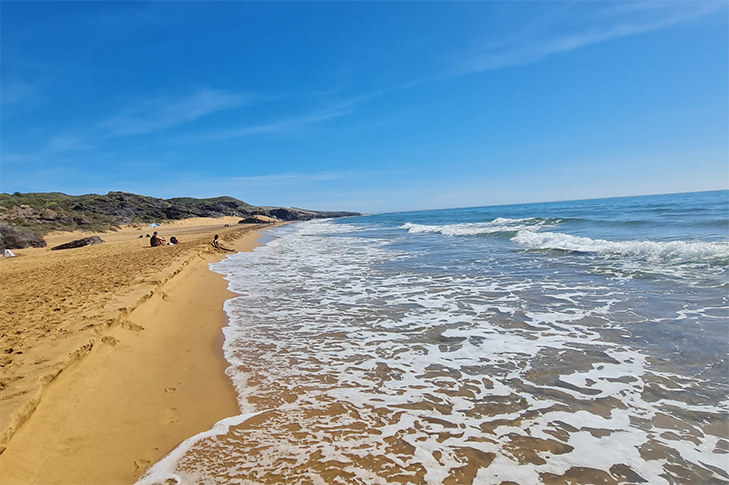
x=370, y=373
x=498, y=225
x=667, y=251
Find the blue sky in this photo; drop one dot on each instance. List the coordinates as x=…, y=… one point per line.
x=369, y=106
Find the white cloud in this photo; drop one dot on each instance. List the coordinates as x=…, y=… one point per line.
x=147, y=117
x=341, y=108
x=156, y=115
x=562, y=31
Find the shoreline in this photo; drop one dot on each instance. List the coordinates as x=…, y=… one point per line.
x=154, y=378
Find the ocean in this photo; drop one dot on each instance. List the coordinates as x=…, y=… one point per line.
x=570, y=342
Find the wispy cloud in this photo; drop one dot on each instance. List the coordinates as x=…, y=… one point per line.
x=341, y=108
x=565, y=29
x=257, y=189
x=158, y=114
x=288, y=178
x=63, y=143
x=148, y=116
x=20, y=158
x=14, y=92
x=17, y=96
x=285, y=125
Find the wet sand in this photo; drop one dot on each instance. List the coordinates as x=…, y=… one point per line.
x=111, y=353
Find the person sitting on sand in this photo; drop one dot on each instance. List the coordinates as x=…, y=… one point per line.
x=216, y=244
x=156, y=240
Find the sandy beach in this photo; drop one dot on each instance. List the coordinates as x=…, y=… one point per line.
x=112, y=353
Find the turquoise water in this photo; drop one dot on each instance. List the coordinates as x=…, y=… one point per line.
x=572, y=342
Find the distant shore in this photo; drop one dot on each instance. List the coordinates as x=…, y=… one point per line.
x=112, y=353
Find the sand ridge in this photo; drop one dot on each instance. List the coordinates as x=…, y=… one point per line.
x=58, y=306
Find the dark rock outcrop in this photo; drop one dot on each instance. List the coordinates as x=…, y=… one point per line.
x=294, y=214
x=15, y=238
x=252, y=220
x=79, y=243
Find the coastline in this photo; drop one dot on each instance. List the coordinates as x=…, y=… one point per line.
x=150, y=379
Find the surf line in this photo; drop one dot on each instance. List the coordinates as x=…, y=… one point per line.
x=163, y=470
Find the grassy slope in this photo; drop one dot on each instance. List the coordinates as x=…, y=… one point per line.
x=44, y=212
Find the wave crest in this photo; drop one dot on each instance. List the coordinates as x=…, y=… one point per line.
x=500, y=224
x=677, y=251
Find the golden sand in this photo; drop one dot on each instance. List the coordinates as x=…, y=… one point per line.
x=111, y=353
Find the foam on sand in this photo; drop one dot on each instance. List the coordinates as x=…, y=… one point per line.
x=164, y=470
x=375, y=373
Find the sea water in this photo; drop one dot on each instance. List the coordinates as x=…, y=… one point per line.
x=572, y=342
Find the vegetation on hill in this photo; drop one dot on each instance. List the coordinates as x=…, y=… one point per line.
x=34, y=214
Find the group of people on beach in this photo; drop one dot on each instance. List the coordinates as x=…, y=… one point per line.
x=157, y=240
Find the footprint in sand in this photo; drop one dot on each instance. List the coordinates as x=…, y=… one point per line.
x=169, y=389
x=110, y=340
x=141, y=464
x=127, y=325
x=172, y=416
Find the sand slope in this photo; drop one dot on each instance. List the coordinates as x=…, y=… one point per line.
x=115, y=340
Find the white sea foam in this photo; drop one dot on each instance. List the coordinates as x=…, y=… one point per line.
x=324, y=226
x=498, y=225
x=675, y=251
x=372, y=374
x=164, y=469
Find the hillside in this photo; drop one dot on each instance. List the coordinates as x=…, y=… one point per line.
x=25, y=218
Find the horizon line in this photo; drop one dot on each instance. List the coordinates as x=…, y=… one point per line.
x=549, y=201
x=364, y=214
